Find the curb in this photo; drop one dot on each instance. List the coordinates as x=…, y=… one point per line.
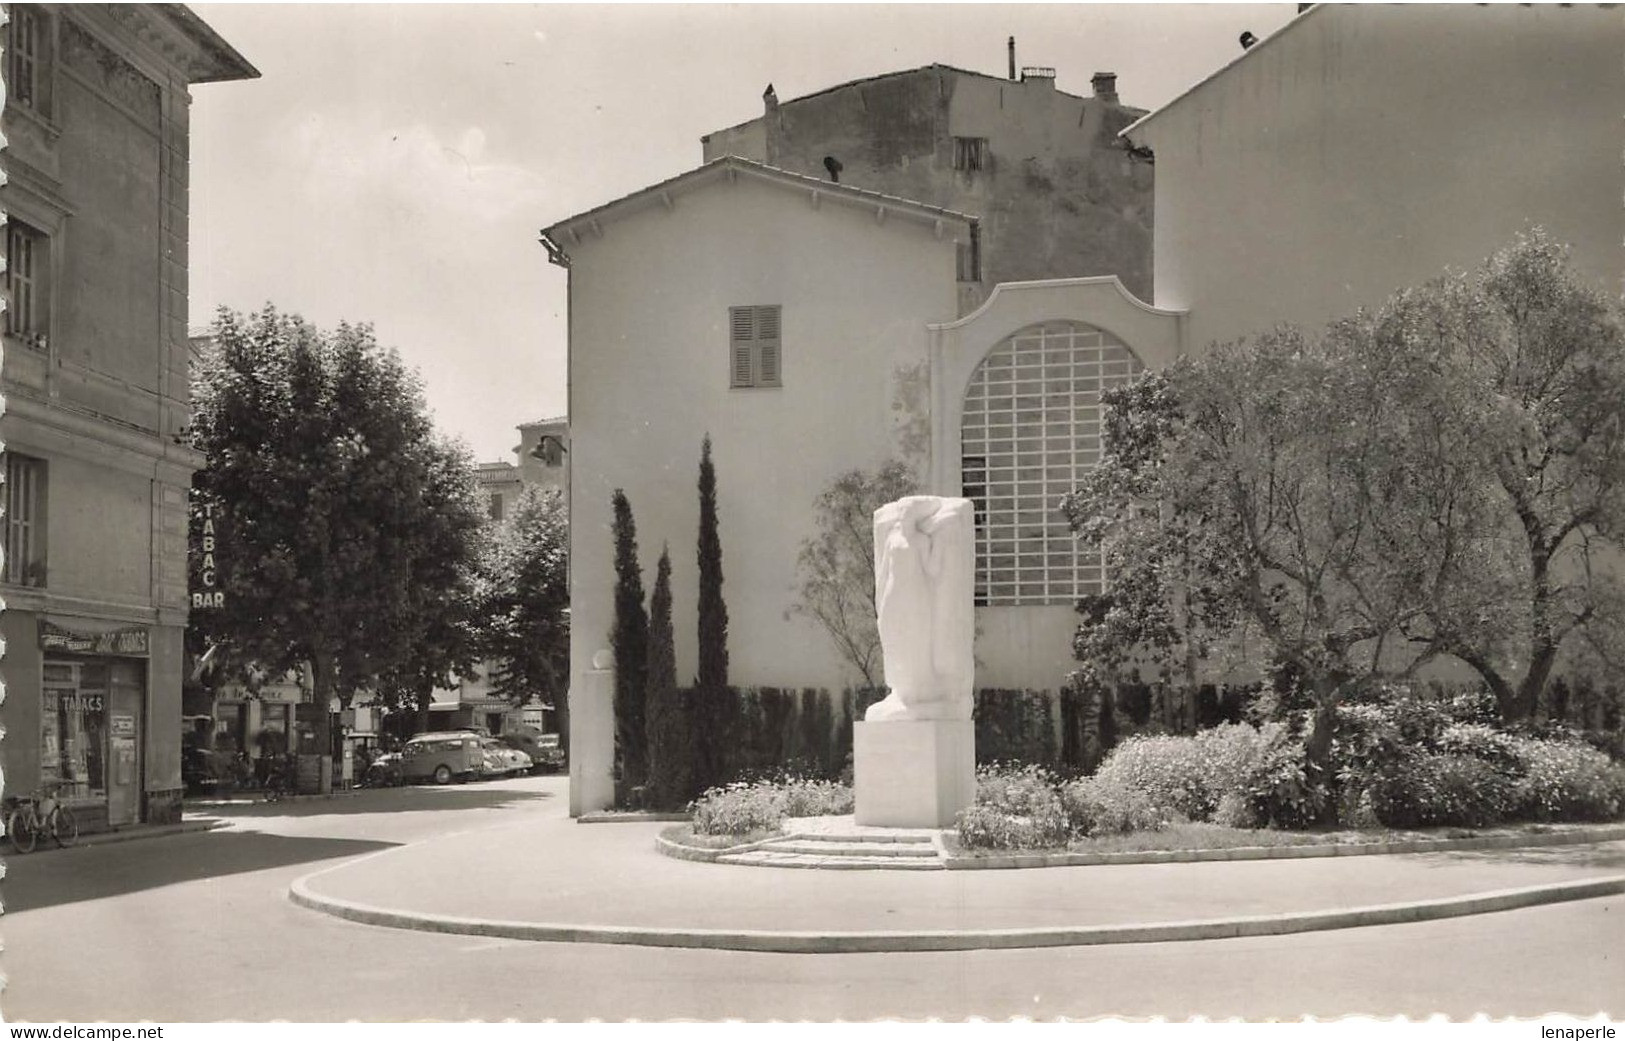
x=994, y=939
x=104, y=838
x=630, y=817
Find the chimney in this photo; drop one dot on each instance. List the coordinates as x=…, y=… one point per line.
x=1105, y=84
x=1012, y=59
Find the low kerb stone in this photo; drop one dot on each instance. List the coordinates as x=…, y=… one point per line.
x=913, y=773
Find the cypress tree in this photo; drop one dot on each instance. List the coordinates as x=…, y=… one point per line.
x=630, y=643
x=670, y=742
x=711, y=687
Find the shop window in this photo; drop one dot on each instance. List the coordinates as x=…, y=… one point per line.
x=73, y=730
x=25, y=520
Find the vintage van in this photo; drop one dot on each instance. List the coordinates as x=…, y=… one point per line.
x=442, y=756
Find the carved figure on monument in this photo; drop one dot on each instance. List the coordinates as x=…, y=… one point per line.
x=924, y=573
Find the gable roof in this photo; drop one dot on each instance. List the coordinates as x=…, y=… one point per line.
x=570, y=229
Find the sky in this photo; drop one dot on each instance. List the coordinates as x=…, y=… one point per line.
x=394, y=163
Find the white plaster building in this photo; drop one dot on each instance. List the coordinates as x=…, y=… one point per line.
x=865, y=360
x=1362, y=148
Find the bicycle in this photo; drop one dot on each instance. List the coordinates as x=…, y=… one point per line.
x=278, y=779
x=41, y=814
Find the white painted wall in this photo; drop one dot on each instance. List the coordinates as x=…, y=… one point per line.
x=1367, y=147
x=649, y=377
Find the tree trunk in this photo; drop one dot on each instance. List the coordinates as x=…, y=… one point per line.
x=321, y=679
x=1318, y=745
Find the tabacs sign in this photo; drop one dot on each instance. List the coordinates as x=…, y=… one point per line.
x=131, y=641
x=209, y=597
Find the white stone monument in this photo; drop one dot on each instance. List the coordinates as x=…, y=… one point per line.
x=914, y=755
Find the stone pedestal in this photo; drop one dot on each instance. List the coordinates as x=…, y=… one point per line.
x=592, y=738
x=913, y=773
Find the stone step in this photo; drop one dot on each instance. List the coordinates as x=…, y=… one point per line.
x=877, y=835
x=850, y=848
x=771, y=858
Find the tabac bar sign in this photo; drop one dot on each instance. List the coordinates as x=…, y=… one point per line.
x=131, y=641
x=210, y=596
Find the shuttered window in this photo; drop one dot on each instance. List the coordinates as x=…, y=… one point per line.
x=25, y=266
x=25, y=520
x=23, y=52
x=755, y=348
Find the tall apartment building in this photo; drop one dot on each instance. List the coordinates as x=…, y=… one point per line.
x=96, y=396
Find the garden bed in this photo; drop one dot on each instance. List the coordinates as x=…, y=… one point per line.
x=1214, y=838
x=684, y=835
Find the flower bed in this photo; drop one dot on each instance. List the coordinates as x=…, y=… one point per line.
x=745, y=808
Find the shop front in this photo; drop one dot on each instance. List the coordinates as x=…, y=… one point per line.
x=93, y=718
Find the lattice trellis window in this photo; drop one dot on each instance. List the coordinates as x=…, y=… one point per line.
x=1031, y=428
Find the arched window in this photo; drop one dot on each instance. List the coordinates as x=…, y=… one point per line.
x=1031, y=428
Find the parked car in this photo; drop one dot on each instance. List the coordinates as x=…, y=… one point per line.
x=442, y=757
x=384, y=771
x=200, y=770
x=503, y=760
x=546, y=755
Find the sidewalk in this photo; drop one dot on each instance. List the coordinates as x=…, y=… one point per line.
x=127, y=834
x=554, y=879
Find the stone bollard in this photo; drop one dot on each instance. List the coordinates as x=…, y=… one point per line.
x=592, y=737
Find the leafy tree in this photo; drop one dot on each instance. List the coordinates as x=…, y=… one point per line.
x=1395, y=490
x=630, y=643
x=714, y=701
x=351, y=524
x=1538, y=356
x=525, y=600
x=837, y=564
x=671, y=745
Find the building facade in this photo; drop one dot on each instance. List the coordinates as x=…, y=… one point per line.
x=96, y=389
x=544, y=453
x=1362, y=148
x=812, y=329
x=1055, y=192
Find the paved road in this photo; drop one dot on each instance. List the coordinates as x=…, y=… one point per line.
x=198, y=928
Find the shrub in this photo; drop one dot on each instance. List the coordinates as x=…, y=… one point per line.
x=1567, y=781
x=1104, y=807
x=811, y=798
x=1013, y=788
x=1441, y=789
x=1189, y=775
x=739, y=808
x=1484, y=742
x=762, y=805
x=986, y=827
x=1235, y=810
x=1279, y=789
x=1017, y=807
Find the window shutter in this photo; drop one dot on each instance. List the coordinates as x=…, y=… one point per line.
x=741, y=341
x=767, y=346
